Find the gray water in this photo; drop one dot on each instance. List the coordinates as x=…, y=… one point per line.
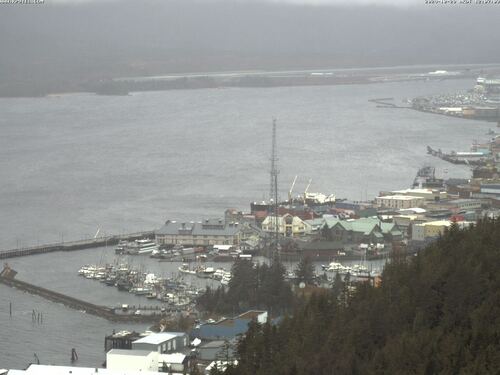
x=71, y=164
x=74, y=163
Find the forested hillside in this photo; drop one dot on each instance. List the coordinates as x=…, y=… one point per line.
x=438, y=312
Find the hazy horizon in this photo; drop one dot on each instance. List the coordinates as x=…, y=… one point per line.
x=66, y=43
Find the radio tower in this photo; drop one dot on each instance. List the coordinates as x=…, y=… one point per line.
x=273, y=193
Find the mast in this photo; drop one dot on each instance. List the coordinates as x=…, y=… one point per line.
x=273, y=193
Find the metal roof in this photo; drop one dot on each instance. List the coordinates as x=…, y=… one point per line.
x=130, y=352
x=158, y=338
x=172, y=358
x=206, y=228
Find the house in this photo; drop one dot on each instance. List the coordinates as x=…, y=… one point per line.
x=203, y=233
x=163, y=342
x=288, y=225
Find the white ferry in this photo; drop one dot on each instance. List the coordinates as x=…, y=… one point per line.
x=141, y=247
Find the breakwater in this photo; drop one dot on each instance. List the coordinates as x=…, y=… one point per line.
x=107, y=313
x=74, y=245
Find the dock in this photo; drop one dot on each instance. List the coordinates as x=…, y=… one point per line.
x=74, y=245
x=148, y=314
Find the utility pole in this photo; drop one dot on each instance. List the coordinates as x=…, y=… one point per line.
x=273, y=193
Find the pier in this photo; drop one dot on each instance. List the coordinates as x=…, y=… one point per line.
x=74, y=245
x=151, y=314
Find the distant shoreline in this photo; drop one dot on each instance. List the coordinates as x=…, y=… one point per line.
x=123, y=86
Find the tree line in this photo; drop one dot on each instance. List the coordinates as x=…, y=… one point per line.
x=434, y=313
x=251, y=287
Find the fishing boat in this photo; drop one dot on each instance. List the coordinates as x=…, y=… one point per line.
x=185, y=269
x=205, y=272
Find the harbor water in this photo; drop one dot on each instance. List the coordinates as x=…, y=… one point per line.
x=71, y=164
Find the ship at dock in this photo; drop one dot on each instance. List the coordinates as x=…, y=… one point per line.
x=480, y=154
x=137, y=247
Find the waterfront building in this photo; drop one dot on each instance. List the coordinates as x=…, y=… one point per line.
x=173, y=363
x=490, y=188
x=433, y=229
x=228, y=328
x=288, y=225
x=136, y=360
x=364, y=230
x=216, y=349
x=399, y=201
x=163, y=342
x=202, y=233
x=232, y=215
x=120, y=340
x=466, y=204
x=404, y=222
x=316, y=225
x=65, y=370
x=427, y=194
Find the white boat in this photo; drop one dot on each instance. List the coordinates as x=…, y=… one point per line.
x=219, y=273
x=338, y=268
x=226, y=278
x=205, y=272
x=141, y=290
x=120, y=248
x=185, y=269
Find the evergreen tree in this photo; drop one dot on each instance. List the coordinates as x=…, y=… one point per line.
x=305, y=271
x=438, y=312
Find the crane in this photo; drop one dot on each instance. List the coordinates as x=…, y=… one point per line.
x=291, y=189
x=307, y=188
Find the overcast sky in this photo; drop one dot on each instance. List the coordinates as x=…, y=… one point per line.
x=67, y=41
x=307, y=2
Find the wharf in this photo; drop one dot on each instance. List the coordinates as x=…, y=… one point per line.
x=74, y=245
x=387, y=103
x=7, y=277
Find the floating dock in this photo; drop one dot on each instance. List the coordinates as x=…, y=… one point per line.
x=7, y=277
x=74, y=245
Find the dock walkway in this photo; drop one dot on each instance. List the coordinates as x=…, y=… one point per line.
x=7, y=277
x=74, y=245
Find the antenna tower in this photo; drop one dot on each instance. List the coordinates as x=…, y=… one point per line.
x=273, y=193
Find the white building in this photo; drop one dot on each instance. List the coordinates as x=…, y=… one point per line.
x=175, y=362
x=66, y=370
x=137, y=360
x=288, y=225
x=399, y=201
x=427, y=194
x=163, y=342
x=203, y=233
